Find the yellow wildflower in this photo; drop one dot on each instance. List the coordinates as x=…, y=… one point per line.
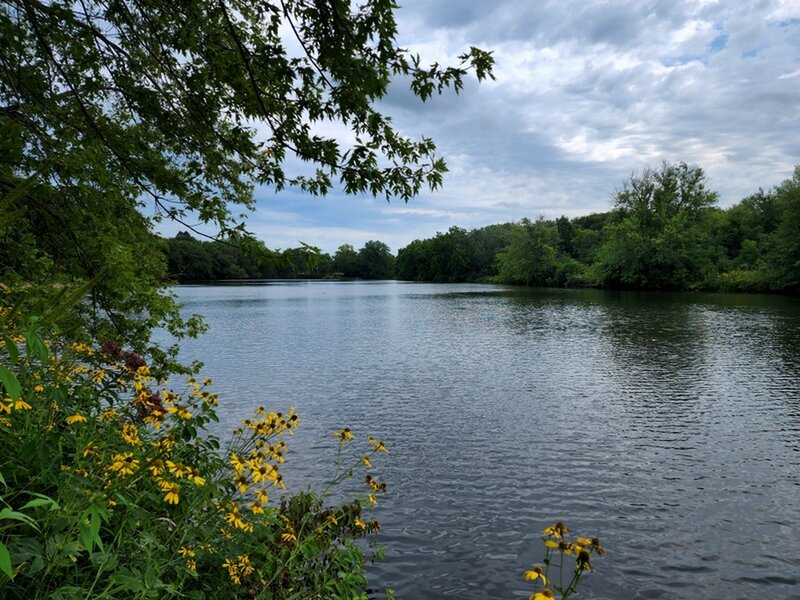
x=534, y=574
x=38, y=388
x=72, y=419
x=157, y=467
x=20, y=404
x=582, y=559
x=245, y=565
x=344, y=435
x=187, y=552
x=124, y=464
x=191, y=565
x=557, y=531
x=175, y=468
x=90, y=450
x=242, y=483
x=233, y=571
x=234, y=517
x=130, y=434
x=6, y=407
x=194, y=475
x=239, y=465
x=172, y=496
x=366, y=462
x=263, y=473
x=360, y=524
x=543, y=595
x=289, y=537
x=109, y=414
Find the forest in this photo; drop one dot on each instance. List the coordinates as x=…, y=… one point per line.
x=664, y=232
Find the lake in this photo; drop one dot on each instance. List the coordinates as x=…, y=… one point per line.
x=666, y=424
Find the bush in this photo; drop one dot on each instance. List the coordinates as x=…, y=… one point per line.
x=112, y=488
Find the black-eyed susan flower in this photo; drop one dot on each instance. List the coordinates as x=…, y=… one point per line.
x=582, y=561
x=175, y=469
x=595, y=545
x=535, y=574
x=237, y=463
x=545, y=594
x=242, y=483
x=130, y=434
x=124, y=464
x=344, y=435
x=557, y=531
x=377, y=445
x=172, y=495
x=195, y=477
x=234, y=517
x=264, y=472
x=20, y=404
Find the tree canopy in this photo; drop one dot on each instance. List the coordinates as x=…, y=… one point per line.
x=111, y=106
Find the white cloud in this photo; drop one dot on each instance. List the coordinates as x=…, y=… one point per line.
x=585, y=94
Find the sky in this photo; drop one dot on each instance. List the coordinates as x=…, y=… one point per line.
x=586, y=94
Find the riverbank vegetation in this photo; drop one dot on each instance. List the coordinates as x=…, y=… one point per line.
x=664, y=232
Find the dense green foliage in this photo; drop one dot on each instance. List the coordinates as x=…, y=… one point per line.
x=190, y=259
x=111, y=487
x=664, y=232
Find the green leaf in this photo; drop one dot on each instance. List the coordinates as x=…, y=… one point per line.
x=13, y=515
x=5, y=561
x=13, y=351
x=35, y=345
x=10, y=383
x=85, y=535
x=41, y=500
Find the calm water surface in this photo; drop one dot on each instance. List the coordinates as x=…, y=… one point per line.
x=669, y=425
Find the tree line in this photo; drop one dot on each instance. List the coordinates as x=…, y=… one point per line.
x=663, y=232
x=190, y=259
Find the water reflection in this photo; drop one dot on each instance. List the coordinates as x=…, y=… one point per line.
x=668, y=424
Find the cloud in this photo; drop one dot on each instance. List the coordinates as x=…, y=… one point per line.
x=586, y=94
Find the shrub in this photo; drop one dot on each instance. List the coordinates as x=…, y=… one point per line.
x=111, y=487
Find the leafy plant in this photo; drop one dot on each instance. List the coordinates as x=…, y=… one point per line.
x=557, y=549
x=111, y=487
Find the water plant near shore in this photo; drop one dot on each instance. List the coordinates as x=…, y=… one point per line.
x=111, y=487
